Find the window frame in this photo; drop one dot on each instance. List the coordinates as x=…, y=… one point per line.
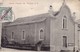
x=40, y=34
x=63, y=25
x=12, y=36
x=23, y=35
x=65, y=43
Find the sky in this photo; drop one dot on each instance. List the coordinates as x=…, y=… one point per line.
x=24, y=8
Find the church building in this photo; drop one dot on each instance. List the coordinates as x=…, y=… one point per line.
x=52, y=31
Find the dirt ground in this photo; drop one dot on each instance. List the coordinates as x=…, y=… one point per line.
x=15, y=50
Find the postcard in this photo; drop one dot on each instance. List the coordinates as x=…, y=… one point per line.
x=39, y=25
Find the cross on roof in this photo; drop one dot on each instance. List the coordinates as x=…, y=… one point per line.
x=64, y=2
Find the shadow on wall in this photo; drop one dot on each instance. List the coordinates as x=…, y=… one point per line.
x=15, y=45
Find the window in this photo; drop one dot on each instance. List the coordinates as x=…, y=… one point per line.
x=64, y=22
x=23, y=36
x=41, y=34
x=12, y=37
x=64, y=41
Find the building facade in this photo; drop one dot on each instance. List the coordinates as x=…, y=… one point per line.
x=78, y=34
x=55, y=30
x=62, y=30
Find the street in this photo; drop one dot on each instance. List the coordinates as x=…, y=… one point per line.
x=15, y=50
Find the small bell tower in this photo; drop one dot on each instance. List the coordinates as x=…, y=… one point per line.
x=64, y=2
x=50, y=9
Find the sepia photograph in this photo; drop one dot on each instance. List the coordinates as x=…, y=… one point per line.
x=39, y=25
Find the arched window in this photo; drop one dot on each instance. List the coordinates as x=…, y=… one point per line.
x=64, y=22
x=41, y=33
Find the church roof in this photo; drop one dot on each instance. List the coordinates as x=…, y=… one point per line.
x=30, y=19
